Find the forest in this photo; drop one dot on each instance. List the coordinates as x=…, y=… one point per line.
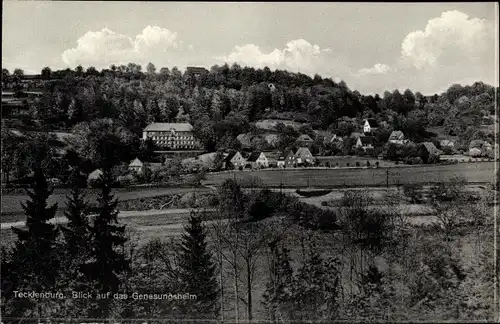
x=261, y=255
x=228, y=100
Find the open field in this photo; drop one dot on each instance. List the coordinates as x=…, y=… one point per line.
x=481, y=172
x=11, y=203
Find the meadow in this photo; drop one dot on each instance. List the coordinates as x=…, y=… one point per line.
x=480, y=172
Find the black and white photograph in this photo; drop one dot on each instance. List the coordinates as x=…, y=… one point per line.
x=249, y=162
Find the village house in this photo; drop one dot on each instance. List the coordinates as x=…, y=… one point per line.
x=196, y=71
x=304, y=140
x=286, y=160
x=447, y=143
x=370, y=125
x=171, y=135
x=136, y=166
x=333, y=139
x=303, y=155
x=94, y=176
x=397, y=137
x=257, y=160
x=234, y=160
x=480, y=148
x=475, y=152
x=431, y=152
x=365, y=142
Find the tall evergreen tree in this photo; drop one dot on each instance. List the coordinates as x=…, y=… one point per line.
x=34, y=264
x=76, y=231
x=106, y=262
x=197, y=273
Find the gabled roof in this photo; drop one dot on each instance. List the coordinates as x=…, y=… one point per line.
x=366, y=140
x=304, y=138
x=95, y=174
x=303, y=151
x=164, y=127
x=230, y=156
x=396, y=135
x=476, y=143
x=431, y=148
x=372, y=122
x=136, y=163
x=446, y=142
x=254, y=156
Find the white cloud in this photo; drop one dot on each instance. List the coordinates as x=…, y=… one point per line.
x=298, y=54
x=451, y=48
x=376, y=69
x=106, y=47
x=450, y=38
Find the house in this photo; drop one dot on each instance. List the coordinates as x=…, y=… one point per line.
x=480, y=148
x=245, y=140
x=196, y=71
x=446, y=143
x=136, y=166
x=286, y=160
x=303, y=155
x=171, y=135
x=370, y=125
x=234, y=160
x=397, y=137
x=475, y=152
x=94, y=176
x=257, y=160
x=207, y=160
x=429, y=152
x=304, y=140
x=332, y=139
x=476, y=144
x=364, y=142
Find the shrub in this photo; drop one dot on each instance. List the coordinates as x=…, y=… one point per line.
x=358, y=164
x=377, y=164
x=368, y=163
x=347, y=164
x=240, y=168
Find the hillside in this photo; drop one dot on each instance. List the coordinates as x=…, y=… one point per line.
x=228, y=101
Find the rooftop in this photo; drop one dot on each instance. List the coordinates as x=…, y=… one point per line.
x=372, y=122
x=164, y=127
x=254, y=156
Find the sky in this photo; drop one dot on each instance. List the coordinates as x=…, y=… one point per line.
x=373, y=47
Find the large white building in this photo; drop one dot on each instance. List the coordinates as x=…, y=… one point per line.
x=171, y=135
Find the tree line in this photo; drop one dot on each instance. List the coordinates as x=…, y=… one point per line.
x=227, y=100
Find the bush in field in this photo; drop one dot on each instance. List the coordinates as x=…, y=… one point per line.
x=413, y=192
x=262, y=204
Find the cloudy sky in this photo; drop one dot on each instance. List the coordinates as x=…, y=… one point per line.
x=373, y=47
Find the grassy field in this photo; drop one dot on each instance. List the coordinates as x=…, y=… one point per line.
x=481, y=172
x=11, y=203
